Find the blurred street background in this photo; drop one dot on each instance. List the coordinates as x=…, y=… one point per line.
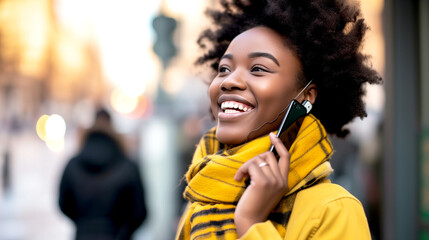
x=62, y=59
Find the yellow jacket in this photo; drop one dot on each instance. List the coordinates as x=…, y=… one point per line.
x=324, y=211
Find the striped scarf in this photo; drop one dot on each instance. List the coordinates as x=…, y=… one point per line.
x=213, y=193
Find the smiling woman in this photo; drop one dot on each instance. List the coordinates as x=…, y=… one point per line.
x=266, y=54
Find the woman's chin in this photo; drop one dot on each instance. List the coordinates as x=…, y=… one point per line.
x=230, y=137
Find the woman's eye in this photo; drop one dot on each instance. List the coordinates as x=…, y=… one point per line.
x=223, y=69
x=259, y=69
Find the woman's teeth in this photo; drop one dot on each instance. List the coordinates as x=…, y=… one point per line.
x=234, y=107
x=231, y=111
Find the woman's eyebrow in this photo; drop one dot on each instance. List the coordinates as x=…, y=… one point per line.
x=228, y=56
x=263, y=54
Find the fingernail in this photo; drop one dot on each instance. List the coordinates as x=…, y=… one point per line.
x=272, y=134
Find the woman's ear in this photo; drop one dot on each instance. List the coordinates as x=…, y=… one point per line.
x=309, y=97
x=310, y=94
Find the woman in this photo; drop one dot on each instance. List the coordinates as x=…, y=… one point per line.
x=267, y=53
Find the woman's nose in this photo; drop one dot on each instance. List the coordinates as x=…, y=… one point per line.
x=234, y=81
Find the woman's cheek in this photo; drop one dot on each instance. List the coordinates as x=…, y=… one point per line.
x=213, y=96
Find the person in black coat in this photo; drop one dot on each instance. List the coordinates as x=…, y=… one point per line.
x=101, y=189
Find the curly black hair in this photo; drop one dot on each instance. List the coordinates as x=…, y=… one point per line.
x=327, y=37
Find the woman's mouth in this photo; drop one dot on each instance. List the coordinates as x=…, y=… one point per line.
x=234, y=107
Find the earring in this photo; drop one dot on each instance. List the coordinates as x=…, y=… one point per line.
x=307, y=104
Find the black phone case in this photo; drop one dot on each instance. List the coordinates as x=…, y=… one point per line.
x=290, y=125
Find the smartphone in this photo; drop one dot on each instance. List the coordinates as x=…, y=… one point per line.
x=290, y=125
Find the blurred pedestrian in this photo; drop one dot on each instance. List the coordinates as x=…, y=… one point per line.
x=101, y=189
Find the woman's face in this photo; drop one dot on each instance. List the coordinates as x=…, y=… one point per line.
x=256, y=80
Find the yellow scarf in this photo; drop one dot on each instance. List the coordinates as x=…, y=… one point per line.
x=213, y=193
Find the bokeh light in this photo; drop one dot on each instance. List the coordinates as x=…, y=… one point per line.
x=40, y=127
x=129, y=105
x=144, y=108
x=52, y=129
x=122, y=102
x=55, y=128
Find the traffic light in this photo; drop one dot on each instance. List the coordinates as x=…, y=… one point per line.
x=164, y=46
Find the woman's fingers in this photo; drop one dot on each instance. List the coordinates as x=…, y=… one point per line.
x=284, y=156
x=241, y=173
x=253, y=167
x=274, y=167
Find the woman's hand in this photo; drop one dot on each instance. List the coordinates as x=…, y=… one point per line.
x=268, y=183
